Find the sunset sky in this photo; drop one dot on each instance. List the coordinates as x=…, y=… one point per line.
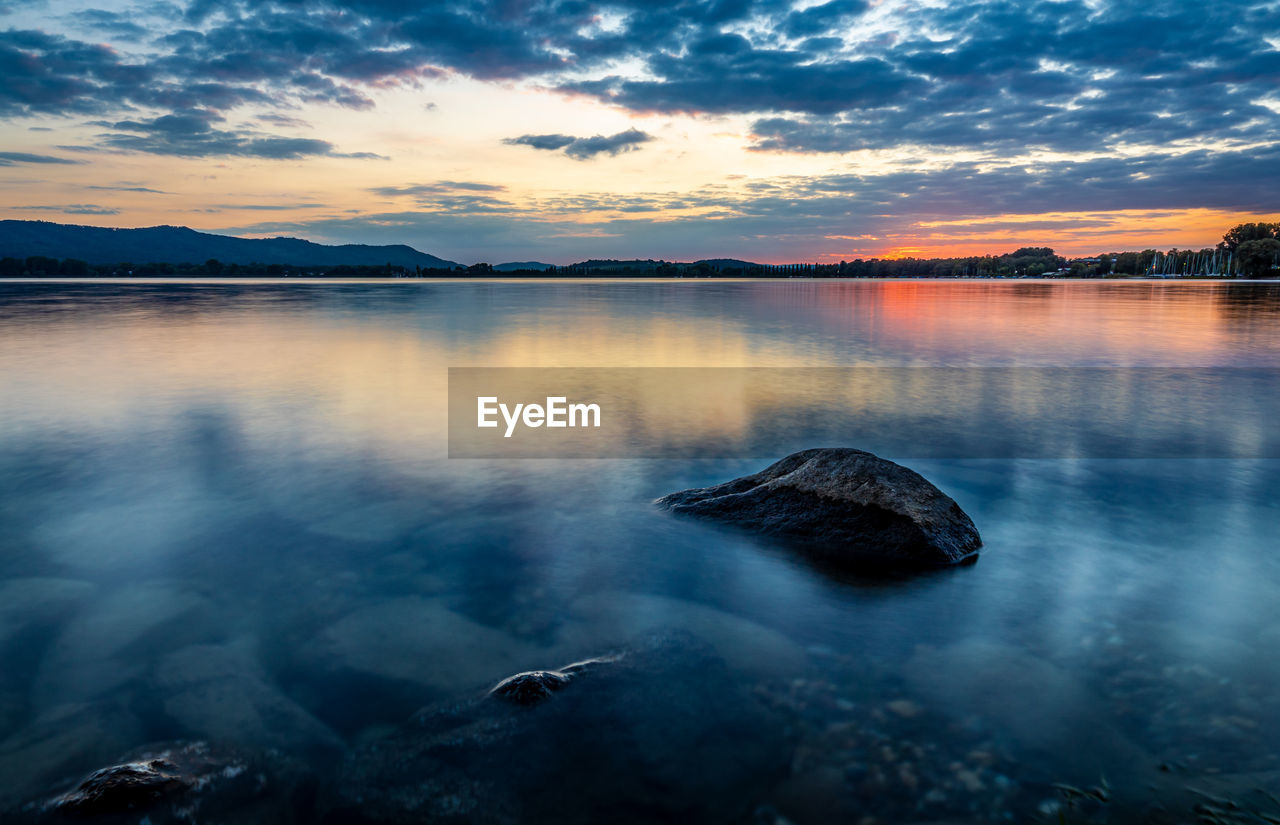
x=560, y=130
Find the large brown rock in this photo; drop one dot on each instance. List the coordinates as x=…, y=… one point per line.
x=843, y=506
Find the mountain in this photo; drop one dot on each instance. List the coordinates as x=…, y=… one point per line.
x=517, y=266
x=179, y=245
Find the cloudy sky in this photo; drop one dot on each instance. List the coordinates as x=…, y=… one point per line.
x=557, y=130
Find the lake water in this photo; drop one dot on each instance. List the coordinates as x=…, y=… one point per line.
x=227, y=513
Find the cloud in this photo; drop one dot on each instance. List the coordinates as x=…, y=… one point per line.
x=801, y=216
x=285, y=121
x=191, y=134
x=267, y=207
x=126, y=188
x=70, y=209
x=13, y=158
x=548, y=142
x=584, y=148
x=1137, y=102
x=438, y=188
x=1065, y=76
x=839, y=76
x=110, y=22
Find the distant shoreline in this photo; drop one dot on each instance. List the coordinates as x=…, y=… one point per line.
x=542, y=277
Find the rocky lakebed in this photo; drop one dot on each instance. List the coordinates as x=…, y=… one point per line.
x=417, y=712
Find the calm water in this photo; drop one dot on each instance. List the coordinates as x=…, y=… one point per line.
x=226, y=513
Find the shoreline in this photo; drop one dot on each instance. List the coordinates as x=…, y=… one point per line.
x=538, y=278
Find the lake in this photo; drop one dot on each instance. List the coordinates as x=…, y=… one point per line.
x=227, y=513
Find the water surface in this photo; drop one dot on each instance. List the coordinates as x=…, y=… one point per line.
x=226, y=512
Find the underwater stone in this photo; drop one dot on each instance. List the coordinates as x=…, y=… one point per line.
x=667, y=714
x=842, y=506
x=179, y=783
x=122, y=788
x=531, y=687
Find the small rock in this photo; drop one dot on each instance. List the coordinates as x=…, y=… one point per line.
x=534, y=686
x=668, y=714
x=179, y=783
x=122, y=788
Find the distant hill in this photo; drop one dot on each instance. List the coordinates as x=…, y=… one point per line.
x=610, y=264
x=715, y=264
x=725, y=263
x=516, y=266
x=178, y=245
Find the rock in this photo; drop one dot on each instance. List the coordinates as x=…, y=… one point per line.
x=534, y=686
x=530, y=688
x=664, y=732
x=122, y=788
x=844, y=506
x=183, y=782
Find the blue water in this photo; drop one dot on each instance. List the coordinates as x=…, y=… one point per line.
x=226, y=513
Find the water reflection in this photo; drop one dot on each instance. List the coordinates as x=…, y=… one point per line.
x=225, y=512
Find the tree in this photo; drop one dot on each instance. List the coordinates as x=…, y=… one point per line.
x=1245, y=232
x=73, y=268
x=1258, y=256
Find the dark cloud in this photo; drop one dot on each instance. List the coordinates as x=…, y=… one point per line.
x=1067, y=75
x=1061, y=75
x=548, y=142
x=192, y=134
x=821, y=18
x=53, y=74
x=751, y=80
x=586, y=147
x=13, y=158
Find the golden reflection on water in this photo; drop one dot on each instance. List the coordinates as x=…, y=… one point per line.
x=377, y=377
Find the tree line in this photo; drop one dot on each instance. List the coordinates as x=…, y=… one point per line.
x=1247, y=250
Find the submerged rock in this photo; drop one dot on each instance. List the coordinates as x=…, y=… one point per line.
x=842, y=505
x=530, y=688
x=665, y=732
x=122, y=788
x=533, y=686
x=182, y=782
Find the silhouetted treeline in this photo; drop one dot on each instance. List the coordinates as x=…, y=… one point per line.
x=1024, y=262
x=1250, y=250
x=42, y=267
